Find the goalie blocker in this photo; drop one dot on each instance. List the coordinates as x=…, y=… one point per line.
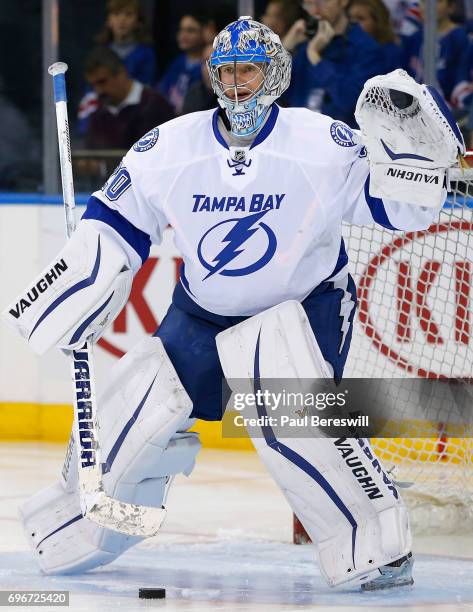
x=411, y=138
x=76, y=296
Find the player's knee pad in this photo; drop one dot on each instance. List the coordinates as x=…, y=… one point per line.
x=337, y=487
x=285, y=343
x=143, y=416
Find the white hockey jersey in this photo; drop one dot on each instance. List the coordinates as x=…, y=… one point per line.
x=258, y=225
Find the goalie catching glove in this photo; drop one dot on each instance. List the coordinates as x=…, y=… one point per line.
x=76, y=296
x=411, y=138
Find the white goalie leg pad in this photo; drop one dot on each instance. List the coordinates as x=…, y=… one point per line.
x=143, y=418
x=77, y=295
x=345, y=500
x=287, y=346
x=336, y=487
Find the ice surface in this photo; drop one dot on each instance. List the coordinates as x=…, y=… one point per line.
x=254, y=573
x=225, y=547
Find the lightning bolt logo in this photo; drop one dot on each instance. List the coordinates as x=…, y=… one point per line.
x=342, y=134
x=242, y=230
x=347, y=304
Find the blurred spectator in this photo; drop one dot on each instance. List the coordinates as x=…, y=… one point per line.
x=127, y=108
x=462, y=95
x=330, y=69
x=280, y=15
x=373, y=17
x=185, y=69
x=453, y=45
x=397, y=10
x=467, y=6
x=20, y=151
x=221, y=17
x=126, y=33
x=412, y=19
x=468, y=128
x=201, y=96
x=405, y=16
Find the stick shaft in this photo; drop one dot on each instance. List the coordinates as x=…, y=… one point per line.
x=84, y=455
x=64, y=142
x=95, y=503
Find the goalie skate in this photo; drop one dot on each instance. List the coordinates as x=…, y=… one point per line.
x=396, y=574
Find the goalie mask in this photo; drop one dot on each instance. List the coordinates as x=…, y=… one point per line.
x=249, y=69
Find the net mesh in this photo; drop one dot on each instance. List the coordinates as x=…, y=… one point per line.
x=380, y=98
x=414, y=320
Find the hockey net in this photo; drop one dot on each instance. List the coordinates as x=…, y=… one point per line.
x=414, y=319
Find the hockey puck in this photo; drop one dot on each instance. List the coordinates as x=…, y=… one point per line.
x=151, y=593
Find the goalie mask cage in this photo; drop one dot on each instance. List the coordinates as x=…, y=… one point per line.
x=414, y=319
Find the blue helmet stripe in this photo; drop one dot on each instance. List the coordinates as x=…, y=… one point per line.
x=219, y=60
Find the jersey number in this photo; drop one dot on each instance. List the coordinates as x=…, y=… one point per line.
x=118, y=183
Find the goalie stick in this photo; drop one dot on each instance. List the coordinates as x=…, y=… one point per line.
x=96, y=505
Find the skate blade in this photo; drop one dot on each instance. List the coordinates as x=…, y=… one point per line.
x=381, y=585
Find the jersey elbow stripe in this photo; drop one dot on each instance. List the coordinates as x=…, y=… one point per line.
x=376, y=206
x=138, y=240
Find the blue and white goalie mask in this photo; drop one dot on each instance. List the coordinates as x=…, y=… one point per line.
x=249, y=69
